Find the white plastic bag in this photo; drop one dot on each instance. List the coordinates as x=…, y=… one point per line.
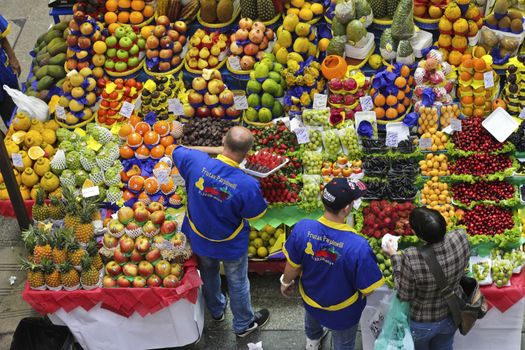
x=34, y=107
x=375, y=323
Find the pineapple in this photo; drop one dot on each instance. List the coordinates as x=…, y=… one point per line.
x=59, y=246
x=75, y=253
x=69, y=276
x=51, y=274
x=71, y=218
x=95, y=256
x=35, y=276
x=40, y=208
x=57, y=209
x=42, y=249
x=84, y=230
x=89, y=275
x=29, y=239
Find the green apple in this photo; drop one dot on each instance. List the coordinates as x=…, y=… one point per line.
x=122, y=54
x=125, y=42
x=109, y=64
x=133, y=61
x=134, y=50
x=122, y=66
x=141, y=43
x=120, y=32
x=111, y=41
x=132, y=36
x=111, y=52
x=265, y=115
x=251, y=114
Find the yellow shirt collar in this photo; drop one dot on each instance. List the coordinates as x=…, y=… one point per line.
x=228, y=161
x=335, y=225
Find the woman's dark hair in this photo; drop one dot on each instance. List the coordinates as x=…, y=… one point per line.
x=428, y=224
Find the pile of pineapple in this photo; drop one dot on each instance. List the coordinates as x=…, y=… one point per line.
x=64, y=256
x=34, y=143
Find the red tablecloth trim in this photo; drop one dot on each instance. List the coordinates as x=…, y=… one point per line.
x=504, y=298
x=6, y=208
x=262, y=267
x=123, y=301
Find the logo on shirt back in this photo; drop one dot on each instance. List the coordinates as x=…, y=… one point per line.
x=209, y=190
x=326, y=254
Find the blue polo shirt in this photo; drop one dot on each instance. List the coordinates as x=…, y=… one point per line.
x=221, y=198
x=338, y=267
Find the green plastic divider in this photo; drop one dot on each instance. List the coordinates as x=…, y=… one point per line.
x=288, y=215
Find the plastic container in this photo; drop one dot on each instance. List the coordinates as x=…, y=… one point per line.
x=360, y=53
x=262, y=175
x=421, y=40
x=500, y=124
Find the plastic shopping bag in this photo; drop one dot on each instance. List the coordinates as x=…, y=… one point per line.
x=395, y=334
x=34, y=107
x=376, y=322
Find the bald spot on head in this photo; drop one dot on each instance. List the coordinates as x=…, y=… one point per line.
x=238, y=140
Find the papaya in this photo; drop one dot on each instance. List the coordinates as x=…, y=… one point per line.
x=41, y=72
x=59, y=47
x=43, y=58
x=61, y=26
x=43, y=94
x=58, y=59
x=40, y=39
x=52, y=34
x=61, y=82
x=32, y=93
x=56, y=71
x=54, y=42
x=44, y=83
x=32, y=79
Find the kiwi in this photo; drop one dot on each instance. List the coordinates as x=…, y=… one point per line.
x=492, y=21
x=516, y=26
x=504, y=23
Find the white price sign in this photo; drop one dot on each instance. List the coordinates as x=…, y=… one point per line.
x=391, y=139
x=222, y=56
x=366, y=103
x=175, y=107
x=320, y=101
x=60, y=112
x=455, y=124
x=17, y=160
x=240, y=102
x=357, y=203
x=163, y=176
x=522, y=113
x=302, y=135
x=90, y=192
x=425, y=143
x=138, y=102
x=488, y=79
x=234, y=62
x=127, y=109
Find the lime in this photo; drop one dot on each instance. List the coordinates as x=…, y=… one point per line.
x=262, y=252
x=375, y=61
x=257, y=243
x=252, y=251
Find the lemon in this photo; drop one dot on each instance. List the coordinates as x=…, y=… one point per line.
x=262, y=252
x=375, y=61
x=252, y=251
x=265, y=236
x=317, y=9
x=298, y=3
x=257, y=243
x=253, y=235
x=268, y=229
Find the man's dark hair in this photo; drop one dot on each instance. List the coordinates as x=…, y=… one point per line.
x=240, y=145
x=428, y=224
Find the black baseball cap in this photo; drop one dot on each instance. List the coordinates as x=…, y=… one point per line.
x=340, y=192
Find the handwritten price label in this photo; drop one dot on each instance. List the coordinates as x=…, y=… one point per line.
x=455, y=124
x=163, y=176
x=90, y=192
x=425, y=143
x=127, y=109
x=234, y=62
x=320, y=101
x=240, y=102
x=391, y=139
x=366, y=103
x=175, y=107
x=488, y=80
x=17, y=160
x=302, y=135
x=60, y=112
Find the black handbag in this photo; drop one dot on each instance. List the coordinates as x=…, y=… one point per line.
x=465, y=308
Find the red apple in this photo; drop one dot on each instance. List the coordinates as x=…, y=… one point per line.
x=149, y=228
x=170, y=281
x=232, y=112
x=154, y=281
x=180, y=26
x=226, y=98
x=119, y=257
x=137, y=205
x=177, y=239
x=136, y=256
x=153, y=255
x=203, y=112
x=125, y=215
x=141, y=215
x=108, y=282
x=139, y=282
x=195, y=99
x=218, y=112
x=130, y=269
x=109, y=241
x=168, y=227
x=162, y=268
x=176, y=269
x=155, y=206
x=142, y=244
x=123, y=282
x=126, y=244
x=115, y=226
x=158, y=217
x=113, y=268
x=145, y=269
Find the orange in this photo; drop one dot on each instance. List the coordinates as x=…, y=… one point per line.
x=467, y=63
x=148, y=11
x=146, y=31
x=391, y=100
x=391, y=113
x=400, y=109
x=136, y=17
x=125, y=130
x=111, y=5
x=142, y=128
x=479, y=100
x=380, y=112
x=478, y=76
x=169, y=149
x=126, y=152
x=379, y=100
x=467, y=100
x=151, y=185
x=142, y=151
x=467, y=111
x=400, y=82
x=134, y=139
x=161, y=127
x=123, y=17
x=151, y=138
x=136, y=183
x=113, y=26
x=157, y=152
x=127, y=195
x=124, y=4
x=110, y=17
x=405, y=71
x=406, y=102
x=400, y=95
x=479, y=65
x=134, y=119
x=167, y=140
x=137, y=5
x=465, y=76
x=168, y=187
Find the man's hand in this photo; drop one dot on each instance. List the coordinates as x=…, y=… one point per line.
x=13, y=61
x=286, y=291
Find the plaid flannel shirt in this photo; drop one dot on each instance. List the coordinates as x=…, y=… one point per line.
x=415, y=283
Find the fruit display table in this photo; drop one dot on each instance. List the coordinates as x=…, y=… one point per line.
x=500, y=328
x=146, y=314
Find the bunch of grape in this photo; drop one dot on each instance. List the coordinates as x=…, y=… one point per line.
x=501, y=272
x=331, y=143
x=481, y=270
x=312, y=162
x=310, y=194
x=316, y=117
x=316, y=140
x=348, y=138
x=516, y=258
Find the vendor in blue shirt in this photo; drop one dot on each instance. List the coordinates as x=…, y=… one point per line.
x=337, y=268
x=9, y=71
x=221, y=198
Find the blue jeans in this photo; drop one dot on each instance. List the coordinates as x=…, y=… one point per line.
x=341, y=340
x=434, y=335
x=238, y=287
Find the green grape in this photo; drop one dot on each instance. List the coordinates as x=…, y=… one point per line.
x=516, y=257
x=348, y=138
x=332, y=146
x=480, y=270
x=310, y=195
x=316, y=140
x=312, y=162
x=316, y=117
x=501, y=272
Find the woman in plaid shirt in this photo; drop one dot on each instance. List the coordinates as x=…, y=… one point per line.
x=430, y=320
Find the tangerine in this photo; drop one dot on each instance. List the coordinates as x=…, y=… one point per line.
x=406, y=102
x=467, y=100
x=168, y=187
x=148, y=11
x=167, y=140
x=454, y=58
x=465, y=76
x=400, y=95
x=136, y=17
x=136, y=183
x=110, y=18
x=478, y=76
x=137, y=5
x=379, y=100
x=169, y=149
x=467, y=111
x=162, y=127
x=144, y=198
x=391, y=113
x=111, y=5
x=479, y=112
x=142, y=152
x=123, y=17
x=151, y=138
x=479, y=100
x=151, y=185
x=405, y=71
x=124, y=4
x=134, y=119
x=380, y=112
x=112, y=27
x=134, y=139
x=391, y=100
x=157, y=152
x=479, y=65
x=126, y=152
x=400, y=82
x=125, y=130
x=400, y=109
x=142, y=128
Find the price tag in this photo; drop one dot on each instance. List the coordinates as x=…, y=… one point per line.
x=302, y=135
x=114, y=216
x=366, y=103
x=234, y=62
x=320, y=101
x=448, y=130
x=222, y=55
x=391, y=139
x=294, y=124
x=175, y=107
x=240, y=102
x=90, y=192
x=522, y=113
x=163, y=176
x=17, y=160
x=60, y=112
x=138, y=102
x=127, y=109
x=425, y=143
x=357, y=203
x=488, y=79
x=455, y=124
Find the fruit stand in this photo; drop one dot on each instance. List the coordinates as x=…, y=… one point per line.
x=424, y=117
